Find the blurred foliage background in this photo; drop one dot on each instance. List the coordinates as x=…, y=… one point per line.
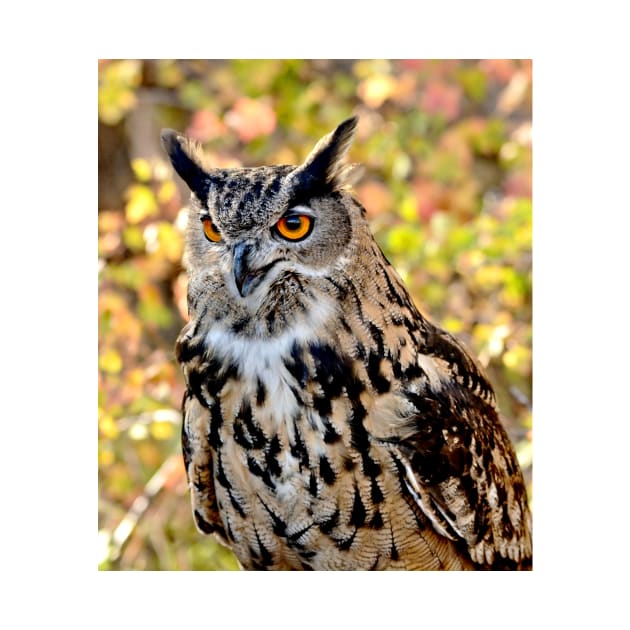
x=447, y=150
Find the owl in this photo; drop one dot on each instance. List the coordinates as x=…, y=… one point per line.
x=327, y=424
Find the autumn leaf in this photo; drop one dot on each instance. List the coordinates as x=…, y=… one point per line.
x=110, y=361
x=251, y=118
x=440, y=98
x=375, y=90
x=376, y=197
x=205, y=126
x=141, y=203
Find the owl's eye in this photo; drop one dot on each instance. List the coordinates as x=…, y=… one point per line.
x=294, y=227
x=210, y=230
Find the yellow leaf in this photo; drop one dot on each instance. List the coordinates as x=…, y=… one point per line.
x=489, y=276
x=166, y=191
x=171, y=242
x=141, y=204
x=141, y=169
x=518, y=359
x=133, y=238
x=106, y=457
x=117, y=82
x=136, y=377
x=409, y=209
x=375, y=90
x=110, y=361
x=453, y=325
x=162, y=430
x=107, y=426
x=404, y=239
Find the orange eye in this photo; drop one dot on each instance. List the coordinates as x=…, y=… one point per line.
x=294, y=227
x=210, y=230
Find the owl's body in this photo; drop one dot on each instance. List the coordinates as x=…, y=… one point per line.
x=327, y=424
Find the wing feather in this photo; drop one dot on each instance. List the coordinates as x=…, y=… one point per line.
x=461, y=468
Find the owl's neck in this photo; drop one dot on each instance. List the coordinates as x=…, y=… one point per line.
x=261, y=361
x=251, y=351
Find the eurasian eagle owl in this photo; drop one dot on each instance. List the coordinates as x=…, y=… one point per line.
x=327, y=423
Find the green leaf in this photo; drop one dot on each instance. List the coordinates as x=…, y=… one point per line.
x=474, y=82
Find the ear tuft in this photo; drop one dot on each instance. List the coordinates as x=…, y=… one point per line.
x=325, y=162
x=185, y=158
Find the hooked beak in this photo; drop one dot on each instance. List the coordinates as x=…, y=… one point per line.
x=246, y=278
x=242, y=276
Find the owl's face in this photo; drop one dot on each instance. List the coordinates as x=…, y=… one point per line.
x=260, y=239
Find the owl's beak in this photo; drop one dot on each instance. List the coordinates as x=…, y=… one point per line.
x=246, y=278
x=242, y=277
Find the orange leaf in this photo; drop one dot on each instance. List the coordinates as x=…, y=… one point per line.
x=251, y=118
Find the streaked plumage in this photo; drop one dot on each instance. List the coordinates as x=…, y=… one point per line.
x=327, y=423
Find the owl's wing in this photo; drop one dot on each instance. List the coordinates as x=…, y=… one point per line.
x=198, y=463
x=458, y=462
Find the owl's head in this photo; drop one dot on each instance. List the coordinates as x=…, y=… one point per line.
x=255, y=234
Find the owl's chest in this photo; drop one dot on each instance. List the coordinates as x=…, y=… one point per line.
x=267, y=438
x=280, y=448
x=257, y=451
x=299, y=481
